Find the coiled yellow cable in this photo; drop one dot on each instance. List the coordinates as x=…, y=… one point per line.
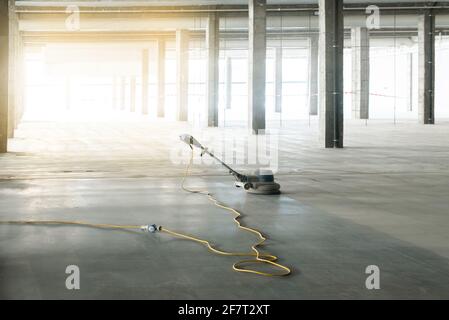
x=238, y=266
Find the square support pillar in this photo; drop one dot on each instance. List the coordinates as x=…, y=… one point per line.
x=360, y=73
x=228, y=82
x=331, y=73
x=68, y=92
x=278, y=80
x=145, y=80
x=12, y=70
x=132, y=94
x=257, y=50
x=18, y=74
x=313, y=75
x=410, y=82
x=161, y=78
x=122, y=93
x=213, y=50
x=4, y=70
x=426, y=68
x=114, y=92
x=22, y=78
x=182, y=74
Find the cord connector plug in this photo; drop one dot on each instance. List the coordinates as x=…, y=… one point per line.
x=151, y=228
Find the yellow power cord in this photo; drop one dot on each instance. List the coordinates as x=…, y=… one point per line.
x=238, y=266
x=76, y=223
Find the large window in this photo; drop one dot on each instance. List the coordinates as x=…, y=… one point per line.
x=295, y=87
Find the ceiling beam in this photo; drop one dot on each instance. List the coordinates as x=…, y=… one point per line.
x=100, y=7
x=80, y=37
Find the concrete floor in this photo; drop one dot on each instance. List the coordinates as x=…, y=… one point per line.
x=383, y=200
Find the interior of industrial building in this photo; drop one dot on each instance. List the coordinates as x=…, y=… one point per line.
x=344, y=101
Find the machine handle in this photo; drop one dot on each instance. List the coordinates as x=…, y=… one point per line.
x=191, y=141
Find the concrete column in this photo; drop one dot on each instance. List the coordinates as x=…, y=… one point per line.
x=410, y=81
x=257, y=47
x=20, y=89
x=426, y=69
x=4, y=83
x=68, y=91
x=182, y=76
x=331, y=73
x=228, y=82
x=213, y=50
x=12, y=71
x=313, y=75
x=122, y=93
x=132, y=94
x=278, y=80
x=23, y=78
x=360, y=73
x=114, y=92
x=145, y=80
x=161, y=78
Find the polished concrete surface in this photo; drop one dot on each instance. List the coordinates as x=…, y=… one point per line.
x=383, y=200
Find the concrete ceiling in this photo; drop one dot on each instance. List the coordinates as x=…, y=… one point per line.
x=190, y=2
x=40, y=16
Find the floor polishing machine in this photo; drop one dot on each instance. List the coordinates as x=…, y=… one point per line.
x=260, y=182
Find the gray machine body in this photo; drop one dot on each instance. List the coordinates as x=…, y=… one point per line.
x=261, y=182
